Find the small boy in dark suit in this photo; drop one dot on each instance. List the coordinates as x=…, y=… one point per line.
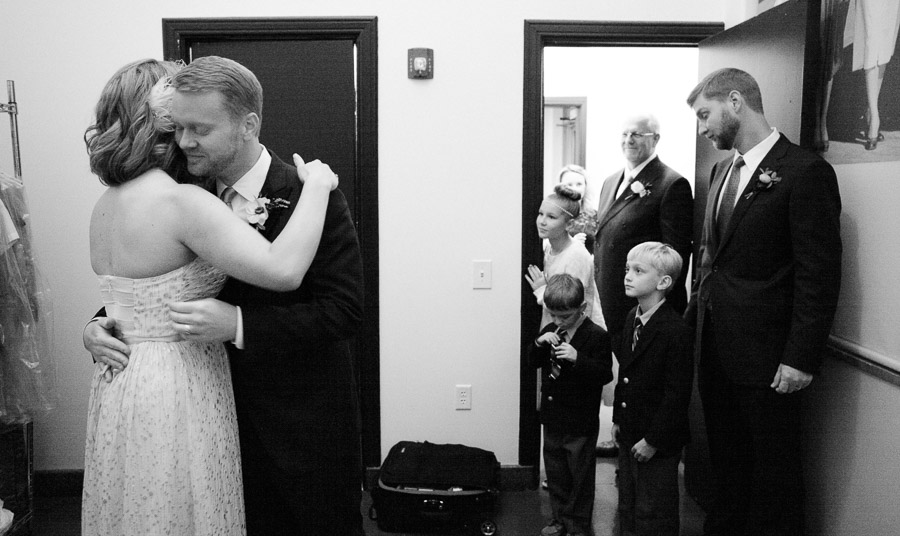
x=650, y=415
x=576, y=361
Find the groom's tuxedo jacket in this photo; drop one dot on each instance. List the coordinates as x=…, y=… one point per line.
x=665, y=215
x=293, y=384
x=771, y=281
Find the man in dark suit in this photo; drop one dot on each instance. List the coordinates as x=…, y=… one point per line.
x=647, y=201
x=764, y=298
x=294, y=386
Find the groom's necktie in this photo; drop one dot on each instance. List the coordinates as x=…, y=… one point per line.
x=228, y=195
x=726, y=206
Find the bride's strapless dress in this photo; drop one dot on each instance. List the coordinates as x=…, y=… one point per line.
x=162, y=454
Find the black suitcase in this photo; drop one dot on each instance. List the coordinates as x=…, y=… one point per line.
x=424, y=487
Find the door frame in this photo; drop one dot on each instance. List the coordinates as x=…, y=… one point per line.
x=540, y=34
x=179, y=34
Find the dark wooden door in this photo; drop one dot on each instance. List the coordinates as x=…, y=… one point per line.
x=319, y=81
x=779, y=48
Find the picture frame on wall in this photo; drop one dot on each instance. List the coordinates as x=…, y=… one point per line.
x=858, y=116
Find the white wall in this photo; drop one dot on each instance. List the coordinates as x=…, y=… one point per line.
x=449, y=186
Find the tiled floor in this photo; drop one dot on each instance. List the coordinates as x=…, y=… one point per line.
x=521, y=513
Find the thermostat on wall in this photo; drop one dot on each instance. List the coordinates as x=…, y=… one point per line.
x=421, y=63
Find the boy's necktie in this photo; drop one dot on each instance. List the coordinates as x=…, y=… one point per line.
x=638, y=325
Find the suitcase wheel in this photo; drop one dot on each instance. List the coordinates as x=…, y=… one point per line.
x=487, y=527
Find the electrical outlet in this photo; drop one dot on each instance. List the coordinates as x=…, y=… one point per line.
x=463, y=397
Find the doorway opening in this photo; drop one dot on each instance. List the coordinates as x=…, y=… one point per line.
x=582, y=59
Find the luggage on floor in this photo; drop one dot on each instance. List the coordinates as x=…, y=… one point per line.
x=428, y=487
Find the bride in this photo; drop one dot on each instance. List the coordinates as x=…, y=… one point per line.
x=162, y=453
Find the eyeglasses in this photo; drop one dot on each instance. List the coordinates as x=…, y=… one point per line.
x=636, y=135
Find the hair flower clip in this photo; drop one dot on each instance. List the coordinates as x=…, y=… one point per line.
x=638, y=188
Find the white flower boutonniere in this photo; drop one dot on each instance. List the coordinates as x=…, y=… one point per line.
x=638, y=188
x=257, y=211
x=767, y=179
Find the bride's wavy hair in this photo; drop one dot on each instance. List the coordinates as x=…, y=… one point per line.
x=133, y=131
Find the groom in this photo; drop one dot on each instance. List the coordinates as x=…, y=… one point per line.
x=294, y=386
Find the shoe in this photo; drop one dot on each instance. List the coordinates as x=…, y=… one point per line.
x=554, y=528
x=872, y=143
x=607, y=449
x=880, y=137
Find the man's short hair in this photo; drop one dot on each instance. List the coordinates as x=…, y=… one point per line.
x=718, y=84
x=662, y=257
x=563, y=292
x=238, y=85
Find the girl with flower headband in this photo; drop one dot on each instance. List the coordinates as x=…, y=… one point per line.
x=584, y=226
x=562, y=253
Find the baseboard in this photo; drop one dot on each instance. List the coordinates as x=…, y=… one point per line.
x=512, y=477
x=58, y=483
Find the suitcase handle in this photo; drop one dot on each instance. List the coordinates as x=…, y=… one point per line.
x=434, y=505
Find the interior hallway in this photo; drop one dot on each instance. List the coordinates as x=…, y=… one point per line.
x=519, y=513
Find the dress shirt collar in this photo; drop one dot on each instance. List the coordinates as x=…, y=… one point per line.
x=754, y=157
x=633, y=172
x=645, y=317
x=249, y=186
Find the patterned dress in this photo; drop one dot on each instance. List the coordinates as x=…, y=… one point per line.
x=162, y=454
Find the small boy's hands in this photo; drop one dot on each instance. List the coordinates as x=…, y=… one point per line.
x=566, y=351
x=643, y=451
x=581, y=237
x=535, y=277
x=550, y=338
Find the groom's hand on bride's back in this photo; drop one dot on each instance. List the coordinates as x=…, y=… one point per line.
x=98, y=338
x=206, y=320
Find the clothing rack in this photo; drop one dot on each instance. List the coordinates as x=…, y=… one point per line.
x=13, y=111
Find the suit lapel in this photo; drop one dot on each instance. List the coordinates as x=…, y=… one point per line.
x=646, y=176
x=749, y=194
x=608, y=196
x=277, y=185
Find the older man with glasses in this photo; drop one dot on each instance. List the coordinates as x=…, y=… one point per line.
x=644, y=201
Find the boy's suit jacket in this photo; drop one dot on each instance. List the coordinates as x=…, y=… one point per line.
x=571, y=403
x=294, y=384
x=772, y=281
x=655, y=379
x=665, y=215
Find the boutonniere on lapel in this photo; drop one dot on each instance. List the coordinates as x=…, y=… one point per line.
x=639, y=189
x=767, y=179
x=257, y=211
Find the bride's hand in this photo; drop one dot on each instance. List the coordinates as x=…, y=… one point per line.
x=315, y=172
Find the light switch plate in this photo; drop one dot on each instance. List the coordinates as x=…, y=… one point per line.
x=481, y=274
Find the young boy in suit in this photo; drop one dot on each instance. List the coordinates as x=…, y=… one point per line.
x=576, y=361
x=650, y=415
